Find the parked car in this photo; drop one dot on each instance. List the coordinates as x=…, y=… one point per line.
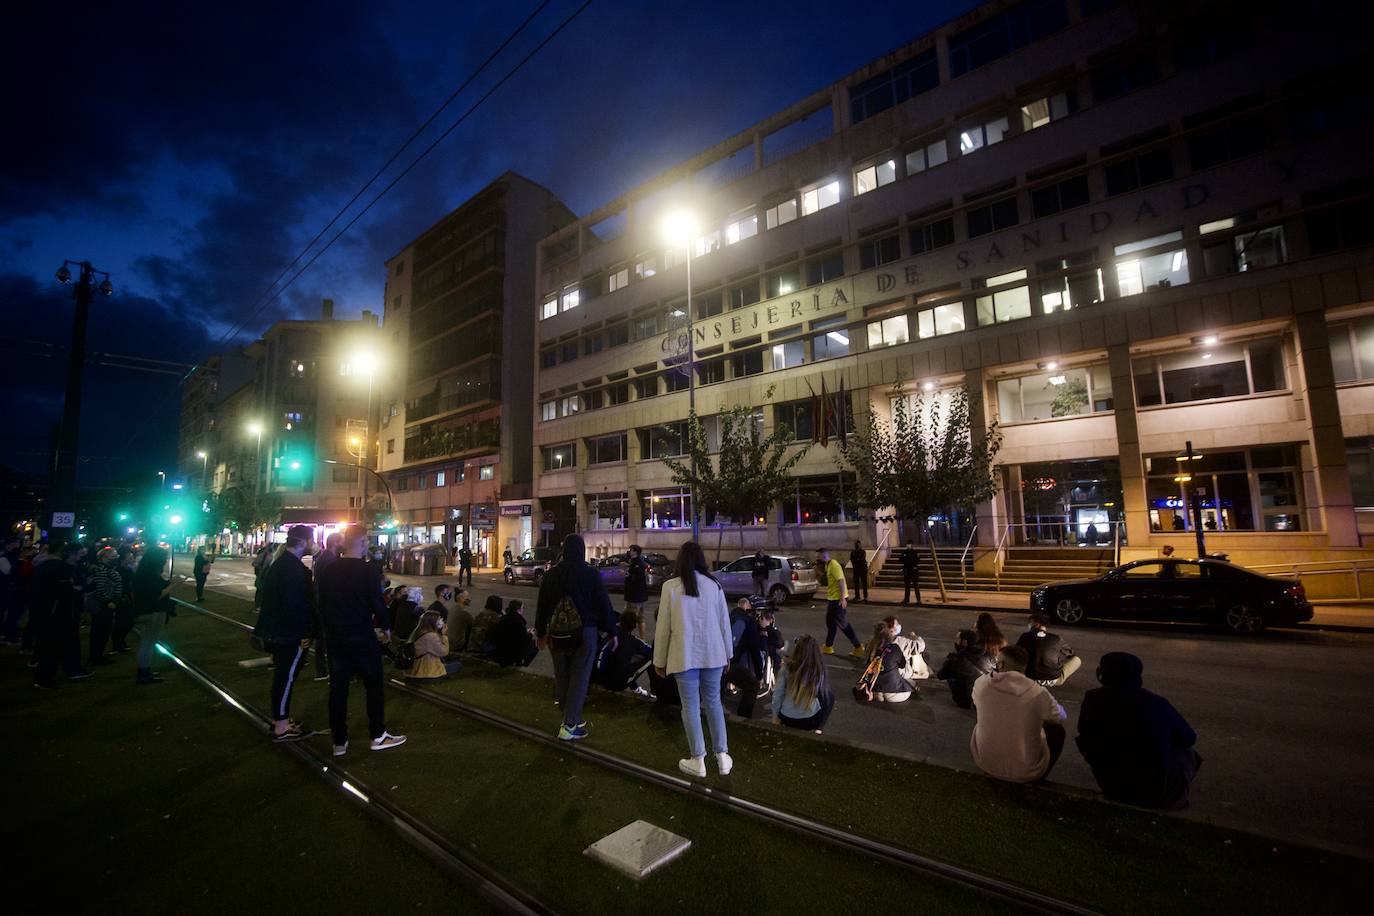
x=1206, y=591
x=531, y=565
x=614, y=568
x=788, y=577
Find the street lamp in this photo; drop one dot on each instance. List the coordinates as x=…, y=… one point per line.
x=680, y=228
x=1185, y=477
x=365, y=361
x=255, y=429
x=162, y=484
x=204, y=460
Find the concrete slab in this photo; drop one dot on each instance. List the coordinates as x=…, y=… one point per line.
x=638, y=848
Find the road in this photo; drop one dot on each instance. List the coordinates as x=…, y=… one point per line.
x=1284, y=720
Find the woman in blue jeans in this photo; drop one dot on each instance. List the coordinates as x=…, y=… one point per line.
x=692, y=643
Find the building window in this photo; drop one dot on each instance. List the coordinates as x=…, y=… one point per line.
x=608, y=511
x=833, y=340
x=825, y=268
x=593, y=400
x=744, y=294
x=741, y=227
x=667, y=440
x=932, y=235
x=646, y=267
x=403, y=483
x=783, y=212
x=1233, y=140
x=1063, y=195
x=999, y=35
x=943, y=319
x=1072, y=290
x=618, y=394
x=391, y=446
x=1044, y=110
x=892, y=87
x=708, y=243
x=820, y=197
x=400, y=267
x=1209, y=371
x=646, y=387
x=887, y=332
x=709, y=304
x=606, y=449
x=548, y=358
x=675, y=377
x=927, y=157
x=1343, y=216
x=711, y=371
x=548, y=410
x=618, y=334
x=1352, y=352
x=1156, y=269
x=1247, y=251
x=792, y=353
x=872, y=177
x=568, y=352
x=1005, y=304
x=1000, y=214
x=549, y=309
x=569, y=406
x=646, y=326
x=439, y=478
x=1359, y=457
x=782, y=282
x=571, y=298
x=618, y=280
x=1140, y=171
x=1054, y=393
x=879, y=251
x=1254, y=489
x=978, y=136
x=670, y=508
x=593, y=343
x=1123, y=76
x=486, y=472
x=750, y=363
x=421, y=481
x=826, y=499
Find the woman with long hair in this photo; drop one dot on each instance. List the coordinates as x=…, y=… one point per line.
x=430, y=642
x=151, y=589
x=889, y=662
x=990, y=638
x=801, y=695
x=692, y=642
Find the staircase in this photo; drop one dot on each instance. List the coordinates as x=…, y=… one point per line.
x=1025, y=568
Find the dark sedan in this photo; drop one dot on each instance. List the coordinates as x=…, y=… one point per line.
x=1205, y=591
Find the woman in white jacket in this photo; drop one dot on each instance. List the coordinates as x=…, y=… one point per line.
x=692, y=643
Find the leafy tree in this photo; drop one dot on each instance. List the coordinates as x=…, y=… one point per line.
x=1070, y=399
x=926, y=460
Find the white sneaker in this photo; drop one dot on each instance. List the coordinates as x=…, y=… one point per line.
x=387, y=740
x=340, y=749
x=693, y=766
x=725, y=763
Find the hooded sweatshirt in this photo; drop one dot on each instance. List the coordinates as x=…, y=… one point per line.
x=575, y=579
x=1009, y=738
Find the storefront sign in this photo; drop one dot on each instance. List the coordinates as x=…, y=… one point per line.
x=507, y=511
x=484, y=523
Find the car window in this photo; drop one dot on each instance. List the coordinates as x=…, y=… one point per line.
x=800, y=563
x=775, y=563
x=1182, y=569
x=737, y=566
x=1148, y=570
x=527, y=556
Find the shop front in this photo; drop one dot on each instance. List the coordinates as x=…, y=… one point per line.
x=1065, y=503
x=514, y=529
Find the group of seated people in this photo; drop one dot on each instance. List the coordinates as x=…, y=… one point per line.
x=433, y=635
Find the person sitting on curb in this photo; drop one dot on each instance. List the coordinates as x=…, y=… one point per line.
x=431, y=651
x=443, y=594
x=459, y=621
x=801, y=696
x=883, y=680
x=990, y=638
x=1019, y=733
x=1140, y=749
x=619, y=667
x=1051, y=661
x=511, y=639
x=964, y=666
x=479, y=638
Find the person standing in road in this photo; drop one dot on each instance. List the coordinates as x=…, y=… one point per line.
x=320, y=563
x=858, y=561
x=202, y=572
x=573, y=610
x=911, y=573
x=837, y=605
x=286, y=627
x=104, y=592
x=508, y=556
x=693, y=643
x=350, y=591
x=152, y=591
x=124, y=613
x=758, y=571
x=465, y=563
x=56, y=610
x=637, y=586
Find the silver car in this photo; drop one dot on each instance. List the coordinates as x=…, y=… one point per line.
x=614, y=568
x=788, y=577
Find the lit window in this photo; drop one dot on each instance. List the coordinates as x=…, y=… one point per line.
x=558, y=457
x=550, y=308
x=569, y=406
x=1004, y=305
x=943, y=319
x=830, y=343
x=1043, y=111
x=548, y=410
x=981, y=135
x=1053, y=394
x=439, y=479
x=1244, y=251
x=742, y=228
x=571, y=298
x=1157, y=269
x=887, y=332
x=787, y=355
x=784, y=212
x=708, y=243
x=818, y=198
x=618, y=280
x=874, y=176
x=486, y=472
x=647, y=267
x=927, y=157
x=1073, y=290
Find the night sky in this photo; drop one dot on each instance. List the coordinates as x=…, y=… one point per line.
x=192, y=150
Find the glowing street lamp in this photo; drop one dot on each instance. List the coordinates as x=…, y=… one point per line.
x=204, y=457
x=162, y=484
x=680, y=227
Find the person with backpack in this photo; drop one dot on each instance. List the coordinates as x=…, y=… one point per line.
x=883, y=679
x=801, y=695
x=692, y=642
x=287, y=628
x=637, y=586
x=573, y=609
x=837, y=604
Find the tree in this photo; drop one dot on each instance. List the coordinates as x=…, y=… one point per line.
x=1070, y=399
x=926, y=460
x=747, y=476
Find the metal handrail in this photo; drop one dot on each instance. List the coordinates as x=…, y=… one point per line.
x=963, y=569
x=1116, y=543
x=998, y=557
x=1353, y=568
x=873, y=576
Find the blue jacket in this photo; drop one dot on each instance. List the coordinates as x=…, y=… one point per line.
x=575, y=579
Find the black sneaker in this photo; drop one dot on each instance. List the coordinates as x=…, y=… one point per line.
x=294, y=732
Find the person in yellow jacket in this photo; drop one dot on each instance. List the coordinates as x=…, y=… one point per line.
x=837, y=604
x=431, y=650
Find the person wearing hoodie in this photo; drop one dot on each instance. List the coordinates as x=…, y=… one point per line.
x=1019, y=733
x=569, y=629
x=512, y=643
x=964, y=666
x=1140, y=749
x=479, y=634
x=1051, y=661
x=287, y=627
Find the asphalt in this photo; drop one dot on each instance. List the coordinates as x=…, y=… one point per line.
x=1283, y=719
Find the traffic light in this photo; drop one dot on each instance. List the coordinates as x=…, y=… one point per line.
x=295, y=465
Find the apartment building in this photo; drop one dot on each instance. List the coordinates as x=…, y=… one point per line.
x=1121, y=226
x=457, y=390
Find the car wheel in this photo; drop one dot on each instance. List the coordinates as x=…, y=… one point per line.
x=778, y=594
x=1069, y=611
x=510, y=576
x=538, y=577
x=1243, y=619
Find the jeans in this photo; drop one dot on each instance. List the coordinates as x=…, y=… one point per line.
x=1071, y=664
x=693, y=686
x=363, y=659
x=816, y=721
x=835, y=619
x=200, y=587
x=572, y=672
x=149, y=630
x=287, y=658
x=760, y=587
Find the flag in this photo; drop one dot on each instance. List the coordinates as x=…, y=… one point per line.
x=825, y=415
x=842, y=415
x=815, y=414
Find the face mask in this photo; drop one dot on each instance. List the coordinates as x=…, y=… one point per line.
x=896, y=631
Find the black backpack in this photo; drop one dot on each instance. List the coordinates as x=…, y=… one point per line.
x=565, y=625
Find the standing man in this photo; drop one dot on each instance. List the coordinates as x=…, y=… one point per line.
x=322, y=560
x=56, y=610
x=858, y=561
x=637, y=587
x=464, y=563
x=202, y=571
x=837, y=606
x=508, y=556
x=911, y=572
x=758, y=571
x=286, y=627
x=357, y=624
x=572, y=643
x=104, y=593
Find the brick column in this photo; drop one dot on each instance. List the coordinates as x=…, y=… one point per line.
x=1332, y=502
x=989, y=516
x=1134, y=503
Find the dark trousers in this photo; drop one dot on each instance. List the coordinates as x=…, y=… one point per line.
x=817, y=719
x=363, y=659
x=123, y=626
x=572, y=674
x=58, y=634
x=761, y=587
x=288, y=658
x=200, y=587
x=913, y=584
x=836, y=618
x=860, y=583
x=664, y=689
x=465, y=569
x=748, y=685
x=321, y=656
x=102, y=622
x=1054, y=737
x=14, y=612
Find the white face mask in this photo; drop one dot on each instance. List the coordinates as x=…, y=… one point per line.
x=896, y=631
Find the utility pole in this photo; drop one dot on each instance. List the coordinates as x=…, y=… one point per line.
x=62, y=492
x=1195, y=502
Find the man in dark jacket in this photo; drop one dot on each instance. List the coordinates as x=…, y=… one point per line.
x=574, y=653
x=911, y=572
x=510, y=638
x=58, y=594
x=1140, y=749
x=858, y=561
x=966, y=664
x=464, y=563
x=758, y=571
x=1052, y=661
x=748, y=665
x=637, y=587
x=286, y=627
x=321, y=562
x=356, y=623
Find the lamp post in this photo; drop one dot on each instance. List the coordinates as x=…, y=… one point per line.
x=255, y=429
x=365, y=361
x=1194, y=505
x=162, y=483
x=680, y=228
x=204, y=463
